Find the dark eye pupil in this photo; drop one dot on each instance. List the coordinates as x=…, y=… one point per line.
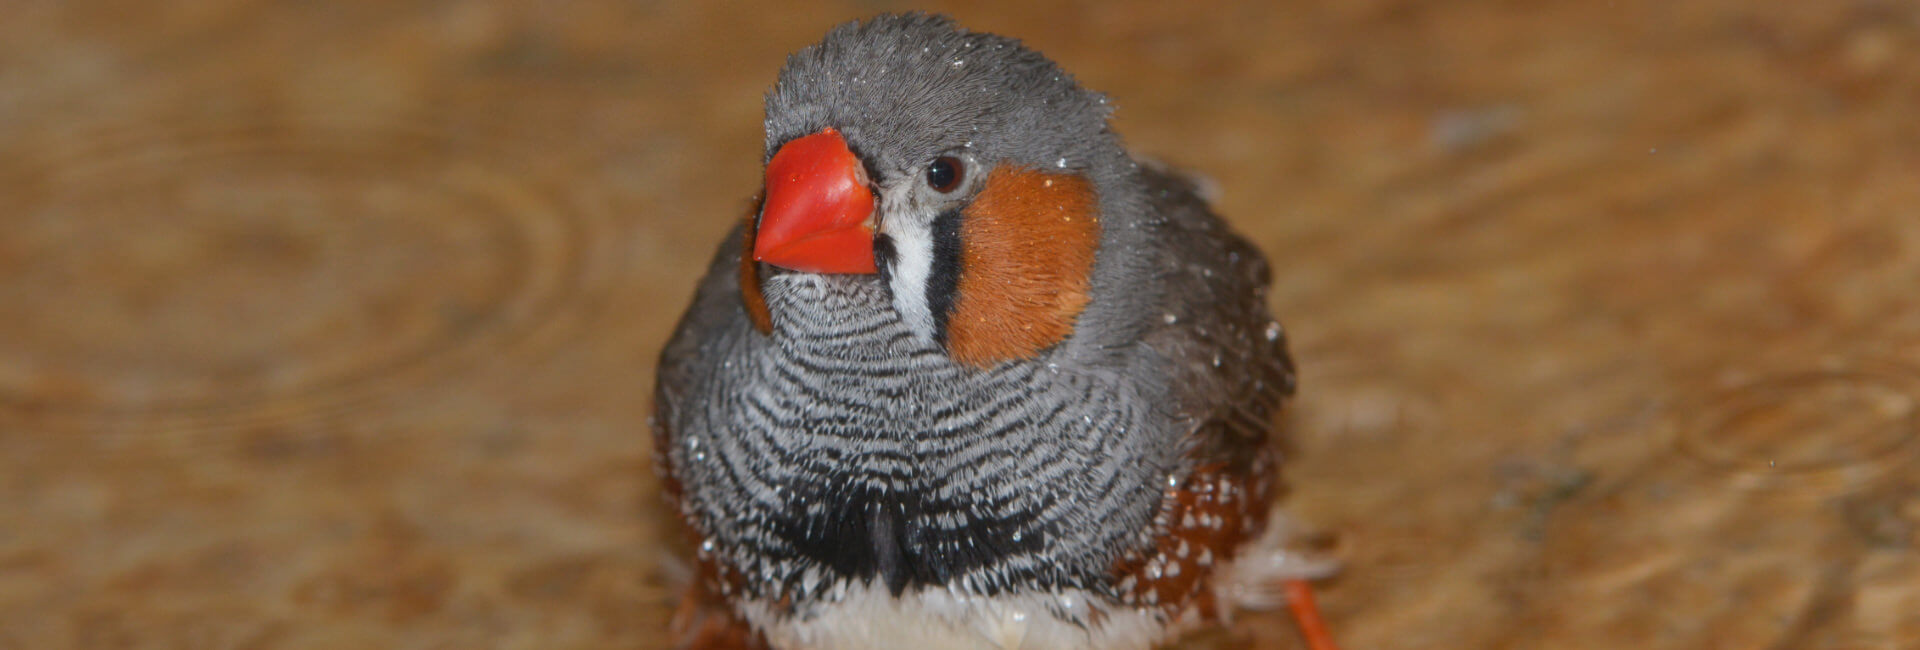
x=944, y=174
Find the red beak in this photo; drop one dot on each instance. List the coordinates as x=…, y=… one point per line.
x=815, y=218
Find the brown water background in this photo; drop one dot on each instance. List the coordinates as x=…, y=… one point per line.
x=332, y=325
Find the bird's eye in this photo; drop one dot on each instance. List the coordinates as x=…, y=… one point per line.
x=944, y=173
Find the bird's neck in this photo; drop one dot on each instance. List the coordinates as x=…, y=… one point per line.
x=843, y=318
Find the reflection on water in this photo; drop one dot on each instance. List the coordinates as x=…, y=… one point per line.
x=206, y=272
x=1838, y=428
x=332, y=325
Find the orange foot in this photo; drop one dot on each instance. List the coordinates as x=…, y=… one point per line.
x=1307, y=614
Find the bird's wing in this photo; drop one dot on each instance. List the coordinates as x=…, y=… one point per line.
x=1227, y=355
x=1228, y=371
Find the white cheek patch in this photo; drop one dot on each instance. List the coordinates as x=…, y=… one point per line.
x=912, y=235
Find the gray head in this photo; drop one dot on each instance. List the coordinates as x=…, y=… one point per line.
x=969, y=144
x=906, y=88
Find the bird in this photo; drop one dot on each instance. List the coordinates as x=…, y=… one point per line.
x=970, y=375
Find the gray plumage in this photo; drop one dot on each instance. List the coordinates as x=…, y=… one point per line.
x=845, y=447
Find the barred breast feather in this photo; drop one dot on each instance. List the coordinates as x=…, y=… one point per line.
x=841, y=455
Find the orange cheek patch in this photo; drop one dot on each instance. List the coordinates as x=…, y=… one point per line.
x=751, y=298
x=1026, y=265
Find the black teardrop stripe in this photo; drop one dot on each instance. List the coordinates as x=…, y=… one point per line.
x=943, y=280
x=884, y=255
